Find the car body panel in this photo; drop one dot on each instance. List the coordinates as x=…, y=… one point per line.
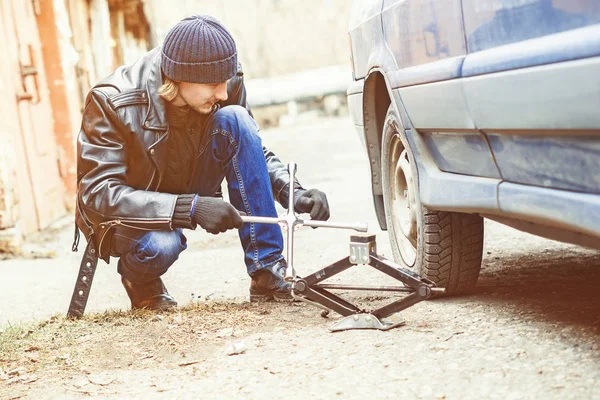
x=494, y=23
x=558, y=208
x=439, y=190
x=559, y=96
x=363, y=35
x=355, y=104
x=423, y=31
x=568, y=162
x=438, y=105
x=543, y=123
x=465, y=153
x=560, y=47
x=442, y=70
x=363, y=11
x=355, y=101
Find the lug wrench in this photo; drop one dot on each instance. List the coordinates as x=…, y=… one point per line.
x=290, y=222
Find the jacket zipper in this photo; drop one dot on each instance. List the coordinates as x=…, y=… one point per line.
x=151, y=179
x=116, y=222
x=158, y=141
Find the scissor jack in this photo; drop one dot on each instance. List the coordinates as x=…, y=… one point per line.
x=363, y=251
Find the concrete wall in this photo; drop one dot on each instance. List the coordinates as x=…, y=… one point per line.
x=274, y=37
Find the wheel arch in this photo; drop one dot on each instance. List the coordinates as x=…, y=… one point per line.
x=377, y=98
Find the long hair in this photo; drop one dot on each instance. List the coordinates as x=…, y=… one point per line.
x=168, y=90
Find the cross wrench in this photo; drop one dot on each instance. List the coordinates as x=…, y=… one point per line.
x=290, y=222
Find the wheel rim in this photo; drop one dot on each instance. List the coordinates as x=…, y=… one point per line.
x=403, y=207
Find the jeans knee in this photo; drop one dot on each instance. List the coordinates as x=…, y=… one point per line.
x=232, y=113
x=235, y=120
x=160, y=249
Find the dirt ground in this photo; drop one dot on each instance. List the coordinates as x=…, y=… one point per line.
x=531, y=330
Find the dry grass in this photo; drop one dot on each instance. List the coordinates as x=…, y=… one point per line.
x=117, y=339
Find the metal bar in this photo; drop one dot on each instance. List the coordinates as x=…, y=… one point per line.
x=398, y=305
x=329, y=303
x=292, y=171
x=251, y=219
x=358, y=226
x=328, y=271
x=405, y=276
x=290, y=222
x=290, y=252
x=336, y=298
x=373, y=288
x=311, y=302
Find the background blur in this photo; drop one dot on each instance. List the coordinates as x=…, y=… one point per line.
x=294, y=53
x=274, y=37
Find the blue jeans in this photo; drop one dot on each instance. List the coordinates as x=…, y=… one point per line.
x=231, y=150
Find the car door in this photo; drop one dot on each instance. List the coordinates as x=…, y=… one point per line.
x=532, y=83
x=427, y=40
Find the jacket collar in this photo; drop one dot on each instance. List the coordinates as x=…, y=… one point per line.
x=156, y=118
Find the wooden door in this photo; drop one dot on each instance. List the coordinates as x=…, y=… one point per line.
x=41, y=191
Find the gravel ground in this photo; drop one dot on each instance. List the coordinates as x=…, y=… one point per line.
x=530, y=331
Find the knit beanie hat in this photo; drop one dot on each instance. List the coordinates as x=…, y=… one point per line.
x=199, y=50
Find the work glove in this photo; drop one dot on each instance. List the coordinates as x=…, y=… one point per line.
x=313, y=202
x=216, y=215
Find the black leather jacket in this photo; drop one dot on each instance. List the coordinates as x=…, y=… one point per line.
x=122, y=157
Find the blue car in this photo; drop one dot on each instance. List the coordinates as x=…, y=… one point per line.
x=472, y=109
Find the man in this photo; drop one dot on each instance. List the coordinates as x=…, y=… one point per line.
x=157, y=139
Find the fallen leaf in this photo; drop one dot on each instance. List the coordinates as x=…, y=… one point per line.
x=185, y=364
x=25, y=334
x=88, y=392
x=101, y=381
x=451, y=336
x=28, y=379
x=31, y=348
x=164, y=389
x=16, y=371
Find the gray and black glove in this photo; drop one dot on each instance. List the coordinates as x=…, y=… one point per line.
x=216, y=215
x=313, y=202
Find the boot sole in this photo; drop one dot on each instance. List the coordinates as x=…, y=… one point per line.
x=263, y=298
x=162, y=306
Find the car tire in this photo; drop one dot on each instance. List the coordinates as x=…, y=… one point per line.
x=444, y=247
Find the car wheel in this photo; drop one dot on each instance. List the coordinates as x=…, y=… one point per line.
x=444, y=247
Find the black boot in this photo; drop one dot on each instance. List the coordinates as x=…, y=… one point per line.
x=268, y=284
x=151, y=295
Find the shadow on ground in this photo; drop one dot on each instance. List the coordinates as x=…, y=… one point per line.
x=548, y=287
